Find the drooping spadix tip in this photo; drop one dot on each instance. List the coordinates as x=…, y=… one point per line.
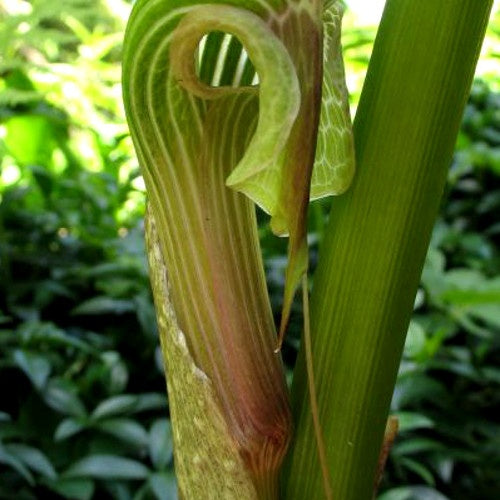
x=279, y=343
x=285, y=315
x=296, y=269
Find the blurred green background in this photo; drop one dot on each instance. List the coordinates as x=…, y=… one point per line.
x=83, y=412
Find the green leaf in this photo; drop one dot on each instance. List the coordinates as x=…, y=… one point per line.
x=412, y=493
x=15, y=97
x=13, y=462
x=444, y=466
x=120, y=490
x=151, y=401
x=146, y=314
x=29, y=139
x=67, y=428
x=416, y=445
x=464, y=279
x=163, y=486
x=410, y=421
x=118, y=372
x=36, y=367
x=77, y=489
x=44, y=180
x=125, y=429
x=414, y=387
x=160, y=443
x=492, y=374
x=37, y=332
x=415, y=340
x=107, y=467
x=418, y=469
x=60, y=395
x=489, y=313
x=116, y=405
x=433, y=272
x=104, y=305
x=33, y=458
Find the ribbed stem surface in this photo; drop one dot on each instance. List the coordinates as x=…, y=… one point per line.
x=376, y=241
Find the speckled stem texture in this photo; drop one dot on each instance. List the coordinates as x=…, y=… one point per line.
x=202, y=439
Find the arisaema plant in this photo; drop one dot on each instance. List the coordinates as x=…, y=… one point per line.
x=244, y=102
x=211, y=145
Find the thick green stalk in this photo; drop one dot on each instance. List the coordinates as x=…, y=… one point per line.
x=370, y=264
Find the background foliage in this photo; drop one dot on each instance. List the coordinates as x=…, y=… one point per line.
x=83, y=413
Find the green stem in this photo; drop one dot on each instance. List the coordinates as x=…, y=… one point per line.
x=313, y=399
x=371, y=260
